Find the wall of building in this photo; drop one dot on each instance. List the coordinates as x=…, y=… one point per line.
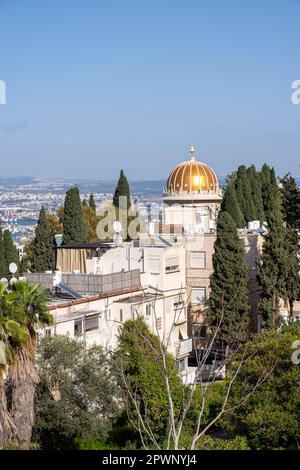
x=166, y=317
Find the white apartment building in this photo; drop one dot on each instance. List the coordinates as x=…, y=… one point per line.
x=122, y=283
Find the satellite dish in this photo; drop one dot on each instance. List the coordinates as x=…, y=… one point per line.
x=117, y=226
x=13, y=268
x=4, y=281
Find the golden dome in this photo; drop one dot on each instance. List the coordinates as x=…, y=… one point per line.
x=192, y=176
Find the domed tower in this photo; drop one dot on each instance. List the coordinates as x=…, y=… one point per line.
x=192, y=196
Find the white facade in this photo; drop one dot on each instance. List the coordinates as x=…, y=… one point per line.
x=161, y=300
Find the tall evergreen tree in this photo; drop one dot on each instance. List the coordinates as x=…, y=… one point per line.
x=122, y=189
x=268, y=189
x=2, y=257
x=229, y=303
x=230, y=204
x=43, y=244
x=292, y=268
x=92, y=204
x=11, y=253
x=73, y=223
x=244, y=195
x=255, y=188
x=290, y=201
x=273, y=265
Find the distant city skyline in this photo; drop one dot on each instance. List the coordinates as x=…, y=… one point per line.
x=93, y=87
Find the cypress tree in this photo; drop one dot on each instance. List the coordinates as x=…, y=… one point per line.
x=73, y=223
x=11, y=253
x=84, y=203
x=43, y=244
x=2, y=257
x=268, y=189
x=255, y=188
x=92, y=204
x=230, y=204
x=290, y=198
x=292, y=268
x=290, y=201
x=229, y=304
x=244, y=195
x=122, y=189
x=273, y=266
x=273, y=179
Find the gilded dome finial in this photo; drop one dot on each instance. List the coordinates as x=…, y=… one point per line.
x=192, y=153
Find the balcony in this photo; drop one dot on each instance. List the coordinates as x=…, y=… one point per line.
x=93, y=284
x=185, y=347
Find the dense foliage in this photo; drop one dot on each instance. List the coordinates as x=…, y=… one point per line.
x=270, y=418
x=249, y=194
x=76, y=396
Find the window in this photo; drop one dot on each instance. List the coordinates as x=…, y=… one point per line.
x=199, y=330
x=198, y=295
x=91, y=323
x=148, y=310
x=121, y=314
x=78, y=327
x=48, y=332
x=198, y=259
x=172, y=264
x=154, y=265
x=181, y=365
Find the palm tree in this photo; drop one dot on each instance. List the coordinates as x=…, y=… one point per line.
x=30, y=311
x=12, y=338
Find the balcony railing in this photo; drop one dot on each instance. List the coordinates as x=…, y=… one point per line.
x=95, y=284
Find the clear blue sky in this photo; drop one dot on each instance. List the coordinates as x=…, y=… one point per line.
x=98, y=85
